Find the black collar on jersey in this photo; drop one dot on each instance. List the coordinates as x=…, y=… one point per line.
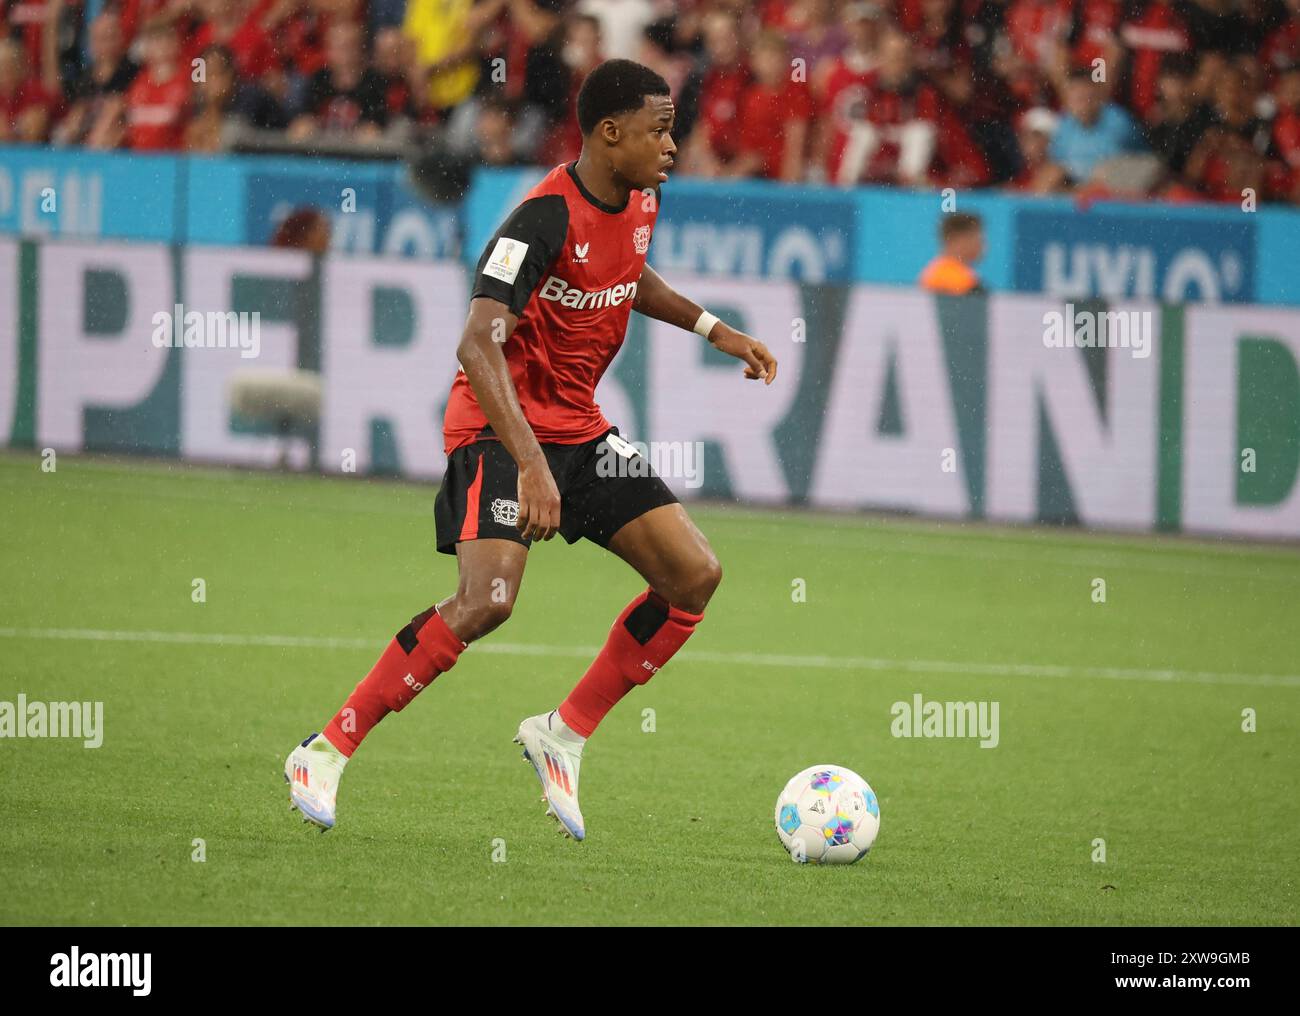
x=582, y=189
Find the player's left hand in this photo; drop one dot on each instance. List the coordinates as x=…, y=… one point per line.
x=760, y=363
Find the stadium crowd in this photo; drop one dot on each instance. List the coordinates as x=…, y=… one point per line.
x=1175, y=99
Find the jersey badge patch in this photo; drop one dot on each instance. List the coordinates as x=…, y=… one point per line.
x=506, y=260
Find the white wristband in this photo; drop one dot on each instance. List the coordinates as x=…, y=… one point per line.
x=705, y=324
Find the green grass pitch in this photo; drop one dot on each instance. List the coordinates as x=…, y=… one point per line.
x=1119, y=721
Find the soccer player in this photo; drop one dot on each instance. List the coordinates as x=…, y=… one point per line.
x=529, y=453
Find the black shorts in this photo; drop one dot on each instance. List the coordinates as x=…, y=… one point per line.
x=603, y=486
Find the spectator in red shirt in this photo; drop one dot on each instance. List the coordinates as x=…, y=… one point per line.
x=298, y=29
x=1281, y=48
x=816, y=35
x=25, y=108
x=235, y=25
x=1235, y=170
x=582, y=53
x=157, y=104
x=1094, y=36
x=345, y=95
x=25, y=21
x=843, y=87
x=138, y=13
x=222, y=101
x=1152, y=32
x=1038, y=31
x=774, y=116
x=938, y=39
x=973, y=117
x=894, y=142
x=1286, y=125
x=958, y=160
x=528, y=35
x=1177, y=120
x=776, y=15
x=96, y=92
x=394, y=60
x=1056, y=35
x=1235, y=151
x=712, y=99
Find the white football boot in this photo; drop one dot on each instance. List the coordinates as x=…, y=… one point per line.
x=556, y=762
x=313, y=770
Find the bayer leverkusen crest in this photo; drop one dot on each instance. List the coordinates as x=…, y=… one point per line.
x=641, y=239
x=504, y=513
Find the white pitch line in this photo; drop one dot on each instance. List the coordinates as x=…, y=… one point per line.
x=1162, y=676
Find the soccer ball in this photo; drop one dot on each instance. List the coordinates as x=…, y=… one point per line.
x=827, y=815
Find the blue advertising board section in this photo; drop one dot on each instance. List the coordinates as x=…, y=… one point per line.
x=1138, y=251
x=45, y=191
x=223, y=200
x=745, y=229
x=238, y=201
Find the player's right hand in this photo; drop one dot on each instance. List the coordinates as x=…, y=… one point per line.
x=539, y=502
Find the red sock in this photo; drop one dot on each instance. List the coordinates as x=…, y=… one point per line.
x=645, y=637
x=418, y=653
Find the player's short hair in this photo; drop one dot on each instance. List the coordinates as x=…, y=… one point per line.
x=614, y=88
x=958, y=224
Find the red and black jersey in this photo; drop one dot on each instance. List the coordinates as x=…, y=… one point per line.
x=567, y=264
